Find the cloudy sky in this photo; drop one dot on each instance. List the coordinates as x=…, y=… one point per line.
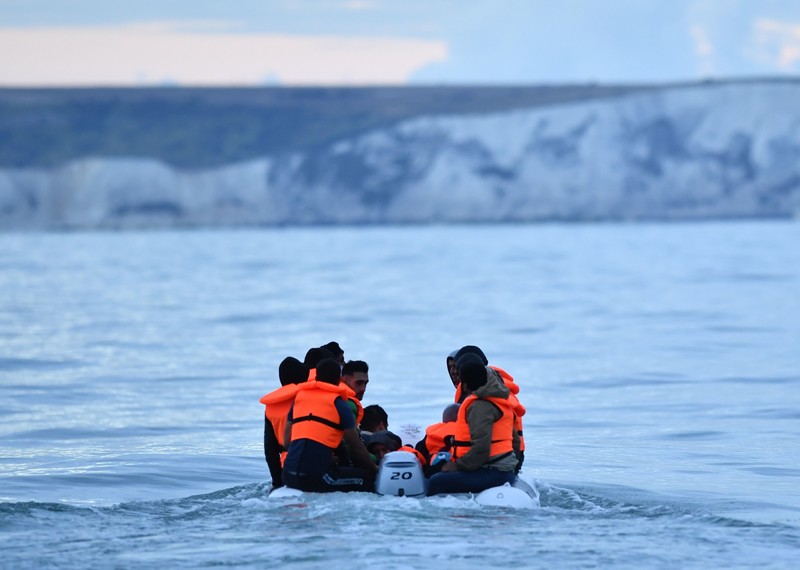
x=359, y=42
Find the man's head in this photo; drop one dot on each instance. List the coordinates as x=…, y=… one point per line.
x=450, y=413
x=375, y=419
x=382, y=442
x=355, y=374
x=452, y=369
x=336, y=350
x=314, y=355
x=472, y=372
x=328, y=371
x=292, y=371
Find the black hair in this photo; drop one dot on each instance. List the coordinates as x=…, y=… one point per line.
x=373, y=415
x=315, y=355
x=292, y=371
x=352, y=366
x=328, y=371
x=333, y=347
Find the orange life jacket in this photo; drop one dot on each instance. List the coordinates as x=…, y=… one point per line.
x=276, y=408
x=457, y=399
x=502, y=430
x=418, y=455
x=351, y=396
x=436, y=436
x=519, y=409
x=315, y=415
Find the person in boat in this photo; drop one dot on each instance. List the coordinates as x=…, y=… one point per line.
x=375, y=419
x=452, y=370
x=355, y=373
x=485, y=439
x=508, y=380
x=336, y=350
x=313, y=357
x=355, y=377
x=438, y=439
x=291, y=373
x=318, y=422
x=382, y=442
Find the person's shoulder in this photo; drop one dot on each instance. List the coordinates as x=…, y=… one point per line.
x=346, y=415
x=483, y=406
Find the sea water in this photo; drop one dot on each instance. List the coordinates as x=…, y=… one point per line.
x=659, y=364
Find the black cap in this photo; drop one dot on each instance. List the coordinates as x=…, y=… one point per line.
x=472, y=349
x=387, y=438
x=472, y=371
x=292, y=371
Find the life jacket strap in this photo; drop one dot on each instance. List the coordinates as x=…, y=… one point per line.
x=313, y=418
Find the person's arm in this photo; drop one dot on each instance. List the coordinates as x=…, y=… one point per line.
x=287, y=431
x=422, y=447
x=358, y=453
x=481, y=417
x=272, y=453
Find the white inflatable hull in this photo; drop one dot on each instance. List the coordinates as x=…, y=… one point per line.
x=400, y=475
x=509, y=496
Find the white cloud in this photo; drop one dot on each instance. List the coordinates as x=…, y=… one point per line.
x=702, y=44
x=360, y=5
x=704, y=50
x=776, y=44
x=204, y=53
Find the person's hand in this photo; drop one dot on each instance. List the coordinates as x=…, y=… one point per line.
x=449, y=466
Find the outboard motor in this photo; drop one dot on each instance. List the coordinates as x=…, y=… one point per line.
x=400, y=474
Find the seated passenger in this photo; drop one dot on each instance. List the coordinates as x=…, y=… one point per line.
x=318, y=422
x=277, y=403
x=336, y=350
x=485, y=439
x=375, y=419
x=439, y=437
x=508, y=380
x=382, y=442
x=313, y=357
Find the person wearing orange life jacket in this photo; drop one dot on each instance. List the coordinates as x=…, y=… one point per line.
x=438, y=438
x=485, y=439
x=313, y=356
x=318, y=422
x=508, y=380
x=277, y=403
x=355, y=374
x=355, y=379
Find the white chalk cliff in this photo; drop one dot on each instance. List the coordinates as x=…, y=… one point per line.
x=706, y=151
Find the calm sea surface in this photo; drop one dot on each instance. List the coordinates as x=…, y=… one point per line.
x=660, y=366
